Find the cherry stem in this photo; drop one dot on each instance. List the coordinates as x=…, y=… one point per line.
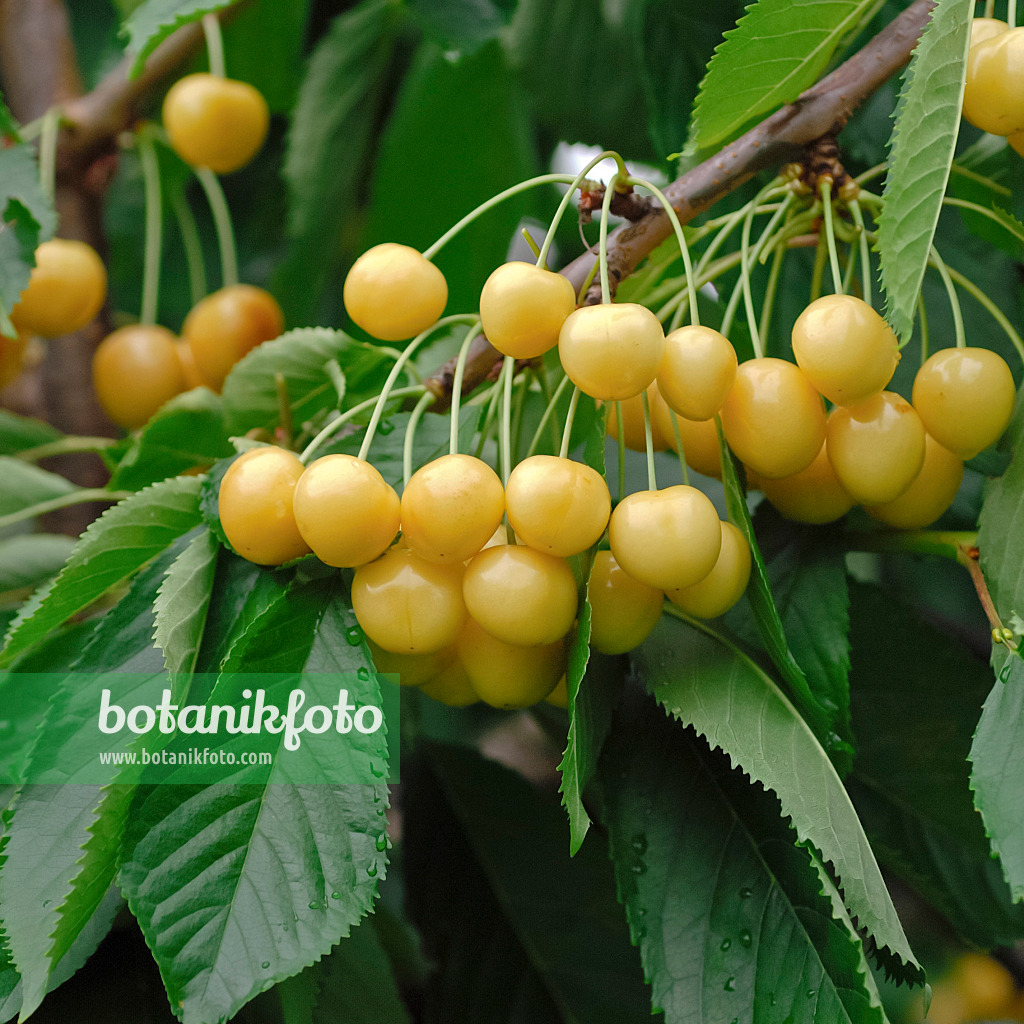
x=350, y=414
x=865, y=249
x=547, y=417
x=523, y=186
x=1011, y=14
x=66, y=445
x=507, y=372
x=427, y=399
x=154, y=228
x=990, y=7
x=192, y=245
x=652, y=481
x=222, y=222
x=460, y=370
x=214, y=45
x=563, y=451
x=49, y=129
x=958, y=318
x=681, y=451
x=400, y=362
x=549, y=237
x=770, y=291
x=620, y=437
x=818, y=271
x=602, y=251
x=64, y=501
x=997, y=314
x=830, y=235
x=944, y=543
x=923, y=316
x=684, y=249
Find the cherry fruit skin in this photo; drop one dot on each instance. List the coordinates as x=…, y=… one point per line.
x=623, y=610
x=451, y=685
x=930, y=494
x=523, y=307
x=845, y=349
x=697, y=371
x=407, y=605
x=724, y=585
x=507, y=675
x=393, y=292
x=411, y=669
x=634, y=435
x=67, y=288
x=611, y=351
x=556, y=505
x=814, y=495
x=135, y=370
x=228, y=324
x=773, y=417
x=667, y=539
x=994, y=87
x=255, y=506
x=215, y=122
x=520, y=595
x=965, y=396
x=451, y=508
x=876, y=447
x=700, y=441
x=346, y=511
x=12, y=356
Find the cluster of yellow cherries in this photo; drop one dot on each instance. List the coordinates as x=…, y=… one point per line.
x=994, y=86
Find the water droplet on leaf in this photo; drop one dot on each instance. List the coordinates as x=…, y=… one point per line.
x=726, y=943
x=354, y=636
x=730, y=985
x=746, y=939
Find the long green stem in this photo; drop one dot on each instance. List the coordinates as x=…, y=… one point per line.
x=508, y=367
x=351, y=414
x=460, y=371
x=683, y=247
x=680, y=449
x=1011, y=14
x=66, y=445
x=996, y=313
x=548, y=417
x=214, y=45
x=830, y=235
x=222, y=223
x=602, y=252
x=523, y=186
x=563, y=451
x=945, y=543
x=865, y=249
x=818, y=271
x=64, y=501
x=542, y=256
x=984, y=212
x=192, y=245
x=770, y=291
x=545, y=390
x=154, y=229
x=923, y=317
x=652, y=480
x=427, y=399
x=48, y=151
x=958, y=318
x=620, y=440
x=517, y=417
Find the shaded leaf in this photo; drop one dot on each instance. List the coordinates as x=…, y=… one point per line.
x=462, y=25
x=26, y=485
x=29, y=560
x=19, y=433
x=153, y=21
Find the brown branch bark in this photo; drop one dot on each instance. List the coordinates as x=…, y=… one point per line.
x=822, y=110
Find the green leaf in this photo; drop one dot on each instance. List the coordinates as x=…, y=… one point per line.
x=562, y=910
x=806, y=572
x=705, y=682
x=777, y=50
x=917, y=695
x=27, y=217
x=187, y=432
x=19, y=433
x=61, y=847
x=920, y=155
x=111, y=550
x=330, y=145
x=8, y=125
x=462, y=25
x=284, y=870
x=182, y=603
x=766, y=614
x=728, y=914
x=27, y=561
x=250, y=391
x=26, y=485
x=485, y=146
x=153, y=21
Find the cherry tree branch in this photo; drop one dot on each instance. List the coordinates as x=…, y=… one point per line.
x=780, y=138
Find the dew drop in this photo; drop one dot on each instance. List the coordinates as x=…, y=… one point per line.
x=730, y=985
x=735, y=1020
x=639, y=843
x=746, y=939
x=746, y=892
x=372, y=870
x=726, y=943
x=376, y=800
x=265, y=964
x=382, y=843
x=363, y=673
x=354, y=636
x=641, y=932
x=641, y=911
x=314, y=904
x=385, y=427
x=811, y=993
x=335, y=895
x=380, y=812
x=640, y=868
x=771, y=998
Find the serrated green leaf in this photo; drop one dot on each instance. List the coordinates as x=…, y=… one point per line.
x=462, y=25
x=920, y=155
x=917, y=695
x=330, y=145
x=182, y=603
x=26, y=485
x=518, y=837
x=188, y=432
x=19, y=433
x=727, y=912
x=250, y=391
x=32, y=559
x=285, y=870
x=777, y=50
x=111, y=550
x=705, y=682
x=153, y=21
x=997, y=757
